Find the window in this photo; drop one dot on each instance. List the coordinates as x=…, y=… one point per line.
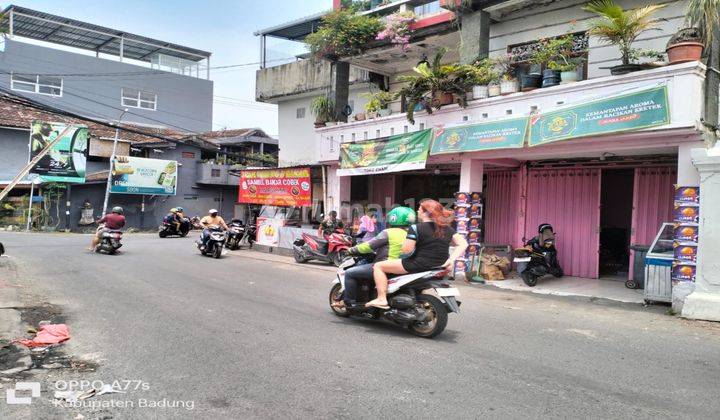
x=44, y=85
x=300, y=113
x=188, y=155
x=135, y=98
x=215, y=173
x=428, y=9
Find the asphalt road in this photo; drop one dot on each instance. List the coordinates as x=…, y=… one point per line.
x=243, y=338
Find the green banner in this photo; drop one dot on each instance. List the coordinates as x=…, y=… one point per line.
x=503, y=134
x=631, y=111
x=134, y=175
x=66, y=160
x=404, y=152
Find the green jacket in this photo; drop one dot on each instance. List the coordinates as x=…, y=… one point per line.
x=387, y=245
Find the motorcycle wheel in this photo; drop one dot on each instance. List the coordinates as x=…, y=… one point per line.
x=631, y=284
x=163, y=234
x=559, y=273
x=183, y=234
x=339, y=257
x=299, y=258
x=217, y=252
x=437, y=321
x=335, y=296
x=529, y=278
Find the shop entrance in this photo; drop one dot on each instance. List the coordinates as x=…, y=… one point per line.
x=418, y=186
x=616, y=198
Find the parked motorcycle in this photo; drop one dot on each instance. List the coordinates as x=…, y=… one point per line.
x=110, y=242
x=215, y=243
x=332, y=249
x=240, y=235
x=195, y=223
x=538, y=257
x=419, y=301
x=169, y=229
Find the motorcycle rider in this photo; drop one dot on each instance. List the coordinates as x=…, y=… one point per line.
x=173, y=219
x=387, y=245
x=112, y=221
x=545, y=231
x=428, y=244
x=212, y=220
x=330, y=225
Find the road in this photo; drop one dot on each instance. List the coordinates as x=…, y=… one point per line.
x=242, y=337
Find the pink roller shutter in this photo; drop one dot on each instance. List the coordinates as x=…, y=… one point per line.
x=501, y=202
x=383, y=190
x=652, y=204
x=569, y=199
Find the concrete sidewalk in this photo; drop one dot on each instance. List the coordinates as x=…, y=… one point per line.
x=576, y=286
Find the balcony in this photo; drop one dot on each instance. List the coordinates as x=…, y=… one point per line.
x=215, y=174
x=684, y=82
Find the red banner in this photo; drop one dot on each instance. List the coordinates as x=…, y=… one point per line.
x=276, y=187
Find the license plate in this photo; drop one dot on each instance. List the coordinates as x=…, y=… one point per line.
x=447, y=291
x=525, y=259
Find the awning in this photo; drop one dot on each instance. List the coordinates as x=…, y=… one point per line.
x=404, y=152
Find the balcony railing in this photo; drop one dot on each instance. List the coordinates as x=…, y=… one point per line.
x=684, y=82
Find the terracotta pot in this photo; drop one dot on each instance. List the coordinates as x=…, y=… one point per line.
x=684, y=52
x=443, y=98
x=360, y=117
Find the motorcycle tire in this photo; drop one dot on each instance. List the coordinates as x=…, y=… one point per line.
x=163, y=234
x=529, y=278
x=339, y=257
x=217, y=252
x=335, y=296
x=299, y=258
x=183, y=234
x=631, y=284
x=433, y=328
x=558, y=273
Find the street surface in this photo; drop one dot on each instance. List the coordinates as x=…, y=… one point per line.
x=251, y=336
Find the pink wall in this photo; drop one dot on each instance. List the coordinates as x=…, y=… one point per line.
x=569, y=199
x=501, y=207
x=383, y=190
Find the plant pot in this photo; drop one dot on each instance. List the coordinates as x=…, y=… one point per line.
x=535, y=69
x=443, y=98
x=384, y=112
x=569, y=77
x=360, y=117
x=493, y=90
x=509, y=86
x=550, y=78
x=624, y=69
x=480, y=92
x=319, y=124
x=684, y=51
x=530, y=82
x=331, y=123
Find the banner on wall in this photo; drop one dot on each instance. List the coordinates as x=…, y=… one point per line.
x=276, y=187
x=630, y=111
x=268, y=231
x=134, y=175
x=66, y=160
x=404, y=152
x=502, y=134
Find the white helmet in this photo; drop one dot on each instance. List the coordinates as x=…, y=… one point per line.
x=213, y=211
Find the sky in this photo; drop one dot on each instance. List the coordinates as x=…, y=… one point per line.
x=223, y=27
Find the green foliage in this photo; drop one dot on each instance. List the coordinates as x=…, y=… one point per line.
x=637, y=53
x=705, y=16
x=323, y=108
x=621, y=27
x=379, y=100
x=558, y=54
x=343, y=33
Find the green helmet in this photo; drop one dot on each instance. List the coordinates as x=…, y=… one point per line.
x=401, y=216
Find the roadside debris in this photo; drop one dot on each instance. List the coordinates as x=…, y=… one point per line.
x=75, y=396
x=47, y=334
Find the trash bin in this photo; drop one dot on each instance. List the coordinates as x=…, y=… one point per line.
x=638, y=268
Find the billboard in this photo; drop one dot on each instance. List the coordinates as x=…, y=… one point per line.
x=276, y=187
x=65, y=162
x=403, y=152
x=134, y=175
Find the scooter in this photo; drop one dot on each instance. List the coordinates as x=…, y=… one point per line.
x=215, y=243
x=109, y=242
x=332, y=249
x=169, y=229
x=538, y=258
x=419, y=302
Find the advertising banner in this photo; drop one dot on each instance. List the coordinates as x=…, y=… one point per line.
x=503, y=134
x=268, y=231
x=403, y=152
x=627, y=112
x=133, y=175
x=66, y=160
x=276, y=187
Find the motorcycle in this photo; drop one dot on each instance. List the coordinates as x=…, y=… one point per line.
x=215, y=243
x=240, y=234
x=535, y=260
x=109, y=242
x=332, y=249
x=195, y=223
x=169, y=229
x=419, y=301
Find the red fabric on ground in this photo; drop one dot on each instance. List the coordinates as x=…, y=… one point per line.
x=48, y=334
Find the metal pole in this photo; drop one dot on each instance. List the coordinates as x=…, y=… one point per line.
x=142, y=212
x=112, y=158
x=11, y=24
x=122, y=47
x=29, y=217
x=67, y=207
x=208, y=68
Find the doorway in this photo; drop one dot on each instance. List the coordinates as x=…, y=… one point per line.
x=616, y=208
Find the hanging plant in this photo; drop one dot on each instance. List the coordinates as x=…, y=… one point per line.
x=397, y=29
x=343, y=33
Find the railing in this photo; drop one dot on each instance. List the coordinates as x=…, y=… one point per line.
x=684, y=83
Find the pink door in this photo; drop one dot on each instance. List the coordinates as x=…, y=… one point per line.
x=501, y=202
x=652, y=204
x=569, y=199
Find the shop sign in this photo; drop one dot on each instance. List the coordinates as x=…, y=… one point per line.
x=65, y=162
x=134, y=175
x=503, y=134
x=403, y=152
x=276, y=187
x=268, y=231
x=631, y=111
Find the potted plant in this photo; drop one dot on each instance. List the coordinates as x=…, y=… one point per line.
x=533, y=79
x=686, y=45
x=481, y=76
x=647, y=58
x=564, y=60
x=504, y=67
x=343, y=33
x=379, y=103
x=323, y=108
x=397, y=29
x=702, y=18
x=494, y=87
x=621, y=27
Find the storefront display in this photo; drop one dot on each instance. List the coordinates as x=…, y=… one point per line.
x=687, y=216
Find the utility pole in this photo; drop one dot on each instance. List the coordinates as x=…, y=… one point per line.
x=112, y=158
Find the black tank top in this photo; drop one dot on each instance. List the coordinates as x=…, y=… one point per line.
x=430, y=251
